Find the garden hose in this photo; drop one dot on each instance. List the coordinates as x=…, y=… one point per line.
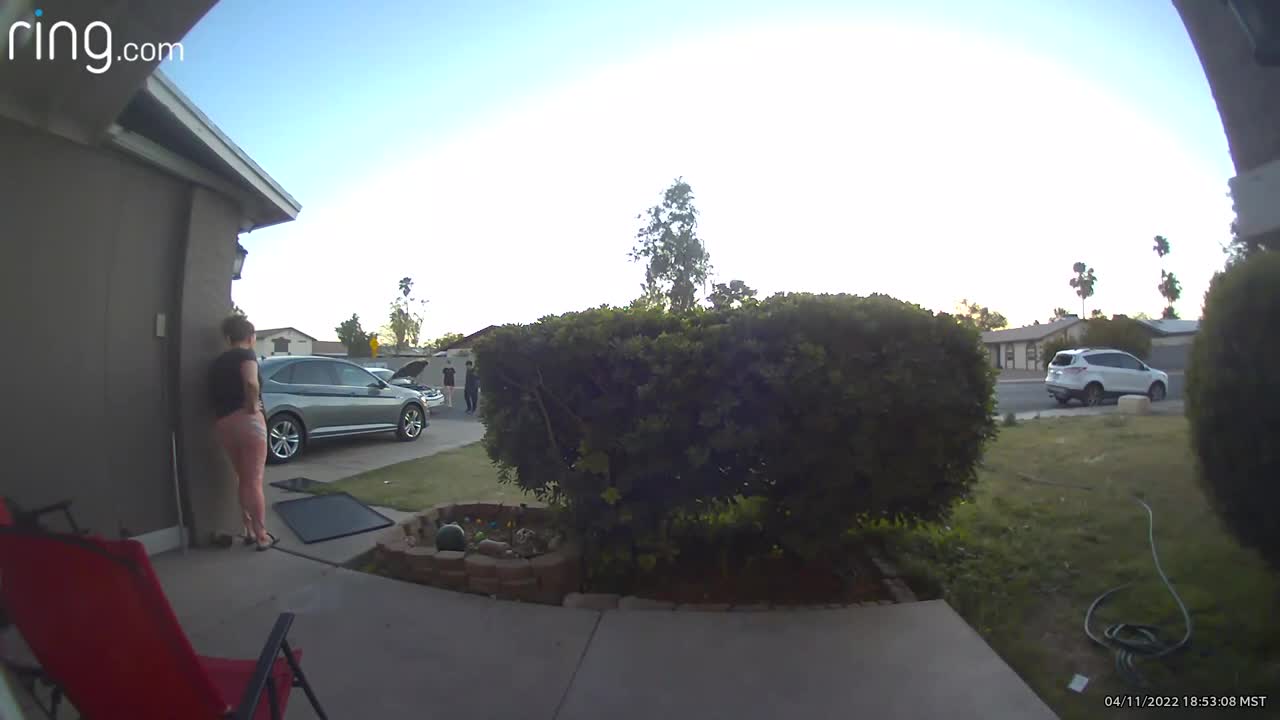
x=1133, y=642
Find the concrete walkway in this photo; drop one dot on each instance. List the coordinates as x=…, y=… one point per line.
x=340, y=458
x=1170, y=407
x=380, y=648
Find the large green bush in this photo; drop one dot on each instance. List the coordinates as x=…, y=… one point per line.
x=827, y=410
x=1121, y=333
x=1233, y=400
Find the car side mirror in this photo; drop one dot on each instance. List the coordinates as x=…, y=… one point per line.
x=377, y=385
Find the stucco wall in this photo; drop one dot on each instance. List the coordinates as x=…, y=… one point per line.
x=91, y=256
x=211, y=232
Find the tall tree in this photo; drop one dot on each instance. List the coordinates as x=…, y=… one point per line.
x=981, y=317
x=1169, y=287
x=446, y=339
x=677, y=261
x=736, y=293
x=404, y=321
x=1059, y=313
x=353, y=336
x=1083, y=282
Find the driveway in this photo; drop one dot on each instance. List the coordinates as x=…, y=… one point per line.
x=332, y=460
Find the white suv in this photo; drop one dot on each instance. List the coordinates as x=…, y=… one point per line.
x=1091, y=374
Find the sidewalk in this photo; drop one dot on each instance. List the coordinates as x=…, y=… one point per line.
x=1169, y=407
x=376, y=647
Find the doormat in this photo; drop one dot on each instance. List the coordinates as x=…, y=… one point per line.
x=298, y=484
x=324, y=517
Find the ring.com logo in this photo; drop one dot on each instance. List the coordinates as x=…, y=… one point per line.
x=95, y=41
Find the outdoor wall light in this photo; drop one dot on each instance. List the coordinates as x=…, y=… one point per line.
x=238, y=264
x=1261, y=22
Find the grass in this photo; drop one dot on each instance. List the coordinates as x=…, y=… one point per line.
x=1023, y=560
x=461, y=474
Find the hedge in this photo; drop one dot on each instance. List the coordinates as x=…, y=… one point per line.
x=1233, y=400
x=830, y=410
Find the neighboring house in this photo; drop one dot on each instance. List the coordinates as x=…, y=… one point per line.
x=329, y=348
x=1023, y=348
x=1172, y=332
x=284, y=341
x=122, y=205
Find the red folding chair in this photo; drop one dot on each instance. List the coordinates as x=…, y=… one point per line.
x=96, y=618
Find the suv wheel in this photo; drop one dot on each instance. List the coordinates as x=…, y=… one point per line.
x=1093, y=395
x=412, y=423
x=1157, y=391
x=284, y=438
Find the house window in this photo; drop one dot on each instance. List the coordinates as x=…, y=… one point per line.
x=1032, y=352
x=1008, y=356
x=280, y=346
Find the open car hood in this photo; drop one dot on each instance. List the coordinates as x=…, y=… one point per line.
x=411, y=370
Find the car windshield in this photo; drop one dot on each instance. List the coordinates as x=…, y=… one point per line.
x=1062, y=359
x=381, y=373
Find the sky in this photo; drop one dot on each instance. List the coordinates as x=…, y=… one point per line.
x=499, y=152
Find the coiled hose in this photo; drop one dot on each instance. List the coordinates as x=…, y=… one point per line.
x=1132, y=642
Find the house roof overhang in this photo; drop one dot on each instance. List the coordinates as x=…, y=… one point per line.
x=131, y=106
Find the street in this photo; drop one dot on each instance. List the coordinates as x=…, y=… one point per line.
x=1025, y=396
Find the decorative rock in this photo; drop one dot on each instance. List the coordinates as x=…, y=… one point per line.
x=1134, y=405
x=492, y=548
x=451, y=537
x=591, y=601
x=631, y=602
x=514, y=570
x=482, y=585
x=451, y=560
x=480, y=565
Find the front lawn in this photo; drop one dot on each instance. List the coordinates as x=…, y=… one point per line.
x=1024, y=559
x=413, y=485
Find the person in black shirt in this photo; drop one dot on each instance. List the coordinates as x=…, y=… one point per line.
x=471, y=389
x=449, y=372
x=236, y=396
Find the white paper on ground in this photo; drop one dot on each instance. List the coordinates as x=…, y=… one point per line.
x=1077, y=683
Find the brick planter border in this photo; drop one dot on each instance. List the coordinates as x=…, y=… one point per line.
x=407, y=552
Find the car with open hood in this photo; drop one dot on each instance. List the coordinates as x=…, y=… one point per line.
x=407, y=377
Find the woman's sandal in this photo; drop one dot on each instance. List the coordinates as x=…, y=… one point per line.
x=268, y=546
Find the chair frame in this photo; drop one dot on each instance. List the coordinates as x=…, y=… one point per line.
x=27, y=522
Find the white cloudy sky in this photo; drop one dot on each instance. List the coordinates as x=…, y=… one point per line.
x=824, y=158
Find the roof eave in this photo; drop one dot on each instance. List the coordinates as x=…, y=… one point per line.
x=279, y=205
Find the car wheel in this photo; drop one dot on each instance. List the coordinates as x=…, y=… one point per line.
x=1063, y=401
x=1157, y=391
x=284, y=438
x=1093, y=395
x=412, y=423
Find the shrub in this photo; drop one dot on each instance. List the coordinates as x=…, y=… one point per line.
x=1010, y=419
x=1233, y=400
x=1121, y=333
x=826, y=410
x=1053, y=347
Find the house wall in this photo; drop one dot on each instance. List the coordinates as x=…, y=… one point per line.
x=299, y=344
x=212, y=227
x=92, y=254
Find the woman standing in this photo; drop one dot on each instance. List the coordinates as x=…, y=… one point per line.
x=236, y=397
